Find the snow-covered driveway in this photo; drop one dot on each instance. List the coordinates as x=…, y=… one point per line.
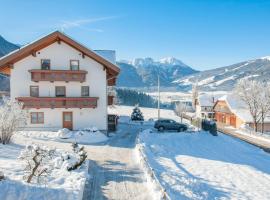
x=116, y=171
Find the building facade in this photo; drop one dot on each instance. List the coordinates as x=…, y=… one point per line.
x=204, y=106
x=61, y=83
x=231, y=111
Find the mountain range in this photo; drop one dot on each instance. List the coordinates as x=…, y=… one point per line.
x=142, y=73
x=224, y=78
x=5, y=48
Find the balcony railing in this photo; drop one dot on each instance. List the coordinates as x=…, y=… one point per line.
x=58, y=102
x=58, y=75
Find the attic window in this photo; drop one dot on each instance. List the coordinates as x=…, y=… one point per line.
x=74, y=65
x=45, y=64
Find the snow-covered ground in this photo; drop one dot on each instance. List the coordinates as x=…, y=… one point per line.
x=61, y=184
x=87, y=136
x=201, y=166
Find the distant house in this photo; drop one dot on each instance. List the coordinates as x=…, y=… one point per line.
x=230, y=110
x=204, y=106
x=62, y=83
x=4, y=94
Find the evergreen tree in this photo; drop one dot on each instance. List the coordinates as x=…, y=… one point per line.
x=131, y=97
x=137, y=114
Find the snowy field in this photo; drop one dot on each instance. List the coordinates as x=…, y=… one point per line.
x=168, y=97
x=200, y=166
x=149, y=114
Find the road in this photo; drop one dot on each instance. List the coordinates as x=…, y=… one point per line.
x=115, y=172
x=261, y=143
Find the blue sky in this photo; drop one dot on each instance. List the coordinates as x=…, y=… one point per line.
x=202, y=33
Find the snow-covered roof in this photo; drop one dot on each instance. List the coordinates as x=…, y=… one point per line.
x=208, y=100
x=40, y=43
x=107, y=54
x=239, y=107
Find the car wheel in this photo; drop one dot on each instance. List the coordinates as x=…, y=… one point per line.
x=161, y=128
x=180, y=130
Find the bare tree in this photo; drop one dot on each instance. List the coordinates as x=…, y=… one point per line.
x=195, y=94
x=249, y=91
x=264, y=102
x=12, y=116
x=37, y=163
x=180, y=109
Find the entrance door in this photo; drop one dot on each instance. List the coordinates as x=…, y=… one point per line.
x=67, y=120
x=233, y=121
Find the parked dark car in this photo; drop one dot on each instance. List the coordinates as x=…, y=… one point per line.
x=169, y=124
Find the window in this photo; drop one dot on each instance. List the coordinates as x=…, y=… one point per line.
x=74, y=65
x=60, y=91
x=85, y=91
x=37, y=117
x=34, y=91
x=45, y=64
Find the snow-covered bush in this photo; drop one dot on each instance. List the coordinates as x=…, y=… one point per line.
x=2, y=177
x=137, y=114
x=81, y=156
x=37, y=163
x=209, y=126
x=12, y=116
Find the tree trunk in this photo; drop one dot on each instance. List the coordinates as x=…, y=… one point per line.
x=255, y=126
x=262, y=125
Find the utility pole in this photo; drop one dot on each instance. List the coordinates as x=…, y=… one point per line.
x=158, y=98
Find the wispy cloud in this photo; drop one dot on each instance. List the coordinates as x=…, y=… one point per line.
x=83, y=23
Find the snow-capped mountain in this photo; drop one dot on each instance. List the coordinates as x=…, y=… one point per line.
x=6, y=47
x=143, y=72
x=146, y=70
x=224, y=78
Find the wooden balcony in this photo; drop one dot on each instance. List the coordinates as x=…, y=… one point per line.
x=58, y=75
x=58, y=102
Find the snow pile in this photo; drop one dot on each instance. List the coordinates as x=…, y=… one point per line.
x=89, y=137
x=60, y=184
x=86, y=136
x=64, y=133
x=199, y=166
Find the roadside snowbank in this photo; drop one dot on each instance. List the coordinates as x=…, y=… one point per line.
x=61, y=184
x=200, y=166
x=87, y=136
x=152, y=180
